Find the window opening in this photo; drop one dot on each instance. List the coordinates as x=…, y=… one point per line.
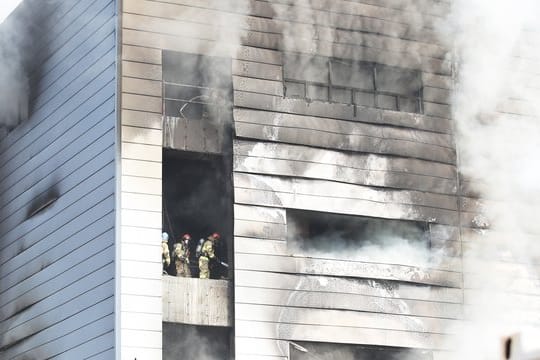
x=352, y=82
x=350, y=237
x=182, y=341
x=197, y=200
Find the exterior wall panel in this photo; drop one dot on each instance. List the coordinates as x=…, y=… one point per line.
x=312, y=155
x=57, y=266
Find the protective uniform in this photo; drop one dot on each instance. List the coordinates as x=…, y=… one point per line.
x=165, y=255
x=208, y=253
x=181, y=256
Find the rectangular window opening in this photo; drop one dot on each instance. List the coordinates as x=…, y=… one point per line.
x=183, y=341
x=357, y=238
x=197, y=200
x=351, y=82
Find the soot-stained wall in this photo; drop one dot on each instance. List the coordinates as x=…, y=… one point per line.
x=57, y=264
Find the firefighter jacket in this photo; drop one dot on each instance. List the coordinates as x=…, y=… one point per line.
x=208, y=249
x=181, y=252
x=165, y=256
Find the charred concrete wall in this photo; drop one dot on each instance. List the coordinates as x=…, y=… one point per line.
x=57, y=188
x=317, y=155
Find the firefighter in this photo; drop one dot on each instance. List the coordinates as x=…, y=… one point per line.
x=165, y=256
x=181, y=256
x=208, y=253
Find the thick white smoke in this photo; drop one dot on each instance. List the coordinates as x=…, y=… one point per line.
x=497, y=120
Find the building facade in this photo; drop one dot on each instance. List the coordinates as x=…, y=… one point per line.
x=315, y=136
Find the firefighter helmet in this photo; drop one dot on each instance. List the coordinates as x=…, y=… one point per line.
x=216, y=236
x=164, y=236
x=186, y=237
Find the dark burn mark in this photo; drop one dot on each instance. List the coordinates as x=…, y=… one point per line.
x=42, y=202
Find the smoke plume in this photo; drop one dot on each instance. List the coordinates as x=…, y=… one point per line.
x=498, y=122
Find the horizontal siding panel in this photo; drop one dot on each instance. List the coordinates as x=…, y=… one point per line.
x=141, y=119
x=349, y=302
x=53, y=279
x=141, y=103
x=257, y=213
x=343, y=206
x=261, y=86
x=141, y=70
x=48, y=222
x=261, y=347
x=68, y=298
x=141, y=54
x=78, y=330
x=138, y=303
x=49, y=129
x=140, y=235
x=280, y=187
x=55, y=315
x=141, y=202
x=259, y=229
x=141, y=135
x=54, y=163
x=99, y=32
x=141, y=152
x=282, y=167
x=20, y=208
x=102, y=52
x=87, y=225
x=365, y=143
x=355, y=269
x=371, y=170
x=139, y=252
x=142, y=270
x=325, y=317
x=150, y=169
x=141, y=86
x=370, y=162
x=319, y=109
x=264, y=246
x=381, y=133
x=347, y=335
x=368, y=287
x=135, y=217
x=138, y=321
x=257, y=70
x=141, y=185
x=253, y=245
x=137, y=286
x=150, y=339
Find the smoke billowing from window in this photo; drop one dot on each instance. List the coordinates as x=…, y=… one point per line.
x=498, y=124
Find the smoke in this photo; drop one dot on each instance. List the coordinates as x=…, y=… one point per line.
x=495, y=53
x=13, y=75
x=182, y=341
x=497, y=123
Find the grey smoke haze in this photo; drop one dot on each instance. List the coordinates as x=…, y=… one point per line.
x=498, y=123
x=13, y=77
x=495, y=48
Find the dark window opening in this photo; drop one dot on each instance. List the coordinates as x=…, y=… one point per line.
x=331, y=351
x=181, y=341
x=344, y=237
x=197, y=103
x=197, y=199
x=196, y=86
x=352, y=82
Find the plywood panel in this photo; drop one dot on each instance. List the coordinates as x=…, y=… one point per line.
x=197, y=301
